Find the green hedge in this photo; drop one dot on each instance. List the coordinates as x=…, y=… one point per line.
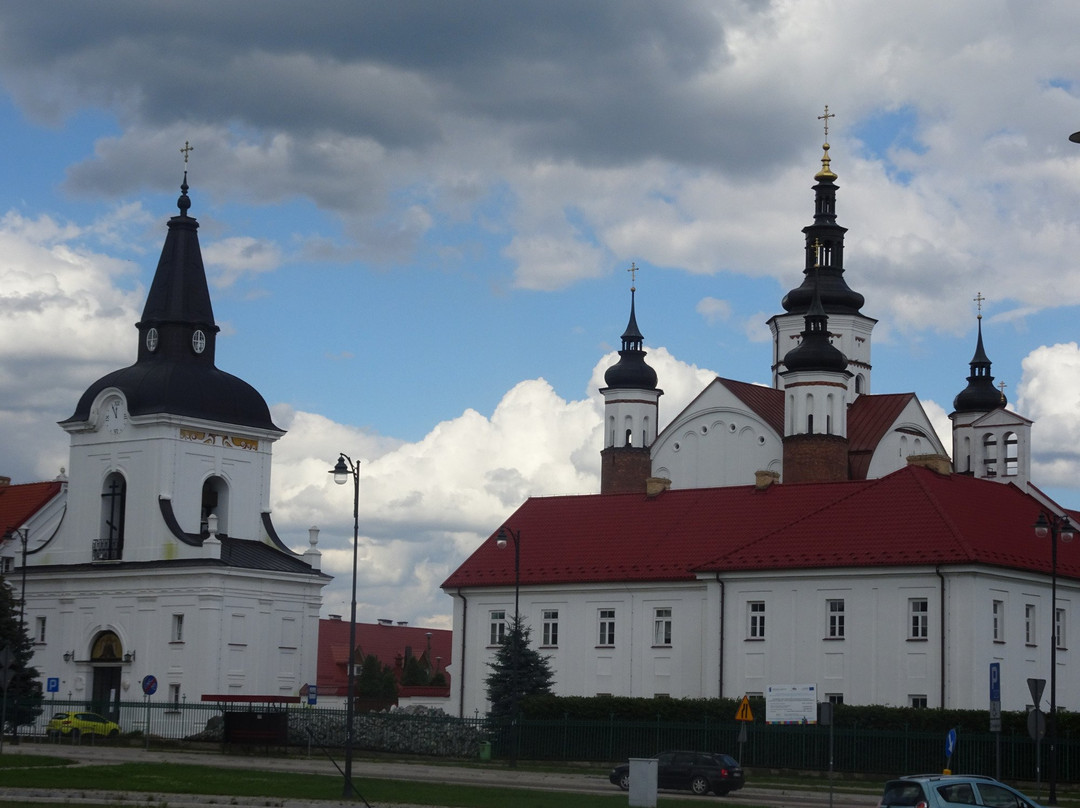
x=868, y=717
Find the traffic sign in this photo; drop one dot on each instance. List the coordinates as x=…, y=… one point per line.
x=950, y=743
x=995, y=681
x=312, y=694
x=743, y=713
x=52, y=684
x=149, y=685
x=1036, y=687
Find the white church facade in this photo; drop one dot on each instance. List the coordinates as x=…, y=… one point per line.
x=808, y=532
x=158, y=556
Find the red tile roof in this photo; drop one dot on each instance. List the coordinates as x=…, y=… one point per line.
x=911, y=517
x=766, y=402
x=20, y=502
x=385, y=641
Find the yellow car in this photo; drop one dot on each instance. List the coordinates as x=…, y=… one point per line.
x=76, y=724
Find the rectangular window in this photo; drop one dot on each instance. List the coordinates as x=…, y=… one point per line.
x=39, y=629
x=1029, y=624
x=551, y=627
x=917, y=701
x=174, y=696
x=662, y=627
x=755, y=629
x=497, y=632
x=1059, y=627
x=178, y=628
x=835, y=698
x=836, y=618
x=919, y=623
x=999, y=620
x=7, y=564
x=607, y=627
x=237, y=634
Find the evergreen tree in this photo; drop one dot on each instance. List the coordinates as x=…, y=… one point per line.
x=23, y=694
x=413, y=671
x=376, y=680
x=508, y=683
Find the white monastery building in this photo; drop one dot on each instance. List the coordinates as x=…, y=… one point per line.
x=808, y=532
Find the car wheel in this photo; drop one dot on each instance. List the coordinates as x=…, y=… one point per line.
x=699, y=785
x=624, y=781
x=75, y=734
x=113, y=733
x=52, y=734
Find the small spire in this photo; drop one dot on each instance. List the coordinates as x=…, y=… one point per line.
x=826, y=173
x=184, y=202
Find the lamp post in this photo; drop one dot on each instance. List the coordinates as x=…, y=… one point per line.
x=342, y=471
x=1056, y=527
x=515, y=634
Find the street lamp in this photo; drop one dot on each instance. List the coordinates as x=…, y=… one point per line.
x=515, y=634
x=1056, y=527
x=342, y=471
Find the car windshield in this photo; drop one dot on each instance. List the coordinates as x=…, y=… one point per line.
x=902, y=793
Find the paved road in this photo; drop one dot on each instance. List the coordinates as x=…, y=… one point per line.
x=462, y=775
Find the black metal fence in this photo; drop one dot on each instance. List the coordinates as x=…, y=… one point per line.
x=777, y=747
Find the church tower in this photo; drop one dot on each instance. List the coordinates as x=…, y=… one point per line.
x=989, y=441
x=824, y=258
x=631, y=411
x=166, y=561
x=815, y=402
x=179, y=449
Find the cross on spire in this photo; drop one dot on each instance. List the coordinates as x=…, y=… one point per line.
x=188, y=149
x=978, y=302
x=633, y=270
x=825, y=118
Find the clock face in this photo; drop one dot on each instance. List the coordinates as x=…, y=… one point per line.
x=152, y=340
x=115, y=418
x=198, y=342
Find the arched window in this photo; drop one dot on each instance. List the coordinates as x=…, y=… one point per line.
x=1012, y=454
x=990, y=454
x=215, y=500
x=109, y=545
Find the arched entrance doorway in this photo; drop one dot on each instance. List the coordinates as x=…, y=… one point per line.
x=106, y=658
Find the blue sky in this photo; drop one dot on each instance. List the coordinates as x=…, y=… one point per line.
x=417, y=224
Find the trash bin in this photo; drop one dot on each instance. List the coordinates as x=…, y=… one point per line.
x=485, y=750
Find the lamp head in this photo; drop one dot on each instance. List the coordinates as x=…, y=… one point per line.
x=1067, y=531
x=340, y=471
x=500, y=541
x=1042, y=527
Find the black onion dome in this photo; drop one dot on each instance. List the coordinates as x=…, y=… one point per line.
x=816, y=351
x=175, y=371
x=825, y=252
x=980, y=395
x=631, y=371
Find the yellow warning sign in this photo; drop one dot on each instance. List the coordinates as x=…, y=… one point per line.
x=743, y=713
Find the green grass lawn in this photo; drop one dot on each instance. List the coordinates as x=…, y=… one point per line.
x=39, y=771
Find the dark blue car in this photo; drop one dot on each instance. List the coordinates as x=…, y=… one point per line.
x=700, y=772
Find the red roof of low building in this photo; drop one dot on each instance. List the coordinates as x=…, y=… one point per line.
x=386, y=640
x=913, y=516
x=18, y=503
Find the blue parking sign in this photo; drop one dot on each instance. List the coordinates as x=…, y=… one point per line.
x=52, y=684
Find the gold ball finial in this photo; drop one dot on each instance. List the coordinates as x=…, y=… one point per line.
x=826, y=172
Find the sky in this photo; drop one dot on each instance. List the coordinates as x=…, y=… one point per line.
x=417, y=221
